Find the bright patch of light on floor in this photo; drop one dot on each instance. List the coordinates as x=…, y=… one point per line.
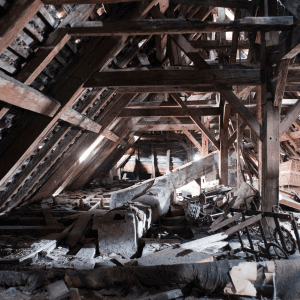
x=136, y=137
x=86, y=154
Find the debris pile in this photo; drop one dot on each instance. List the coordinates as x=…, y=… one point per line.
x=216, y=244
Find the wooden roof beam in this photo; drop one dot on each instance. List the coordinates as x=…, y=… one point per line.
x=165, y=127
x=169, y=112
x=97, y=55
x=153, y=104
x=166, y=77
x=171, y=89
x=56, y=41
x=290, y=118
x=77, y=119
x=16, y=93
x=180, y=26
x=216, y=3
x=288, y=48
x=200, y=63
x=198, y=122
x=15, y=19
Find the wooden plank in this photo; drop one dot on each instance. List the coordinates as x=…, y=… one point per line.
x=281, y=73
x=233, y=137
x=97, y=54
x=235, y=39
x=189, y=103
x=217, y=3
x=199, y=44
x=166, y=127
x=188, y=134
x=290, y=203
x=79, y=228
x=198, y=122
x=50, y=220
x=243, y=112
x=225, y=223
x=205, y=131
x=18, y=94
x=290, y=118
x=288, y=48
x=4, y=109
x=181, y=26
x=56, y=41
x=223, y=162
x=15, y=19
x=71, y=162
x=46, y=150
x=200, y=63
x=167, y=77
x=126, y=157
x=24, y=229
x=160, y=44
x=77, y=119
x=102, y=155
x=238, y=227
x=152, y=161
x=171, y=89
x=169, y=112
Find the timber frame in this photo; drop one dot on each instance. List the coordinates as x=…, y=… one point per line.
x=83, y=83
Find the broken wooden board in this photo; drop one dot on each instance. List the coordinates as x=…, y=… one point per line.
x=50, y=220
x=226, y=222
x=79, y=227
x=238, y=227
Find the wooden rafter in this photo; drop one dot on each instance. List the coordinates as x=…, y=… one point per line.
x=180, y=26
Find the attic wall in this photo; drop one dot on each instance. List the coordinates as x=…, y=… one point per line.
x=144, y=170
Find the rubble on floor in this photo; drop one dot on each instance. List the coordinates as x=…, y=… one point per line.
x=217, y=245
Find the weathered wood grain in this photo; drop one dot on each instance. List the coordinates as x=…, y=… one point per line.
x=181, y=26
x=18, y=94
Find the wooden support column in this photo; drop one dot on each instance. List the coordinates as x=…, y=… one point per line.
x=222, y=39
x=270, y=156
x=240, y=177
x=270, y=146
x=152, y=161
x=137, y=164
x=205, y=139
x=223, y=165
x=168, y=159
x=173, y=51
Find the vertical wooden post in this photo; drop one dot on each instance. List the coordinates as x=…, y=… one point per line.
x=119, y=173
x=223, y=165
x=221, y=18
x=168, y=159
x=188, y=152
x=270, y=156
x=152, y=161
x=240, y=177
x=137, y=164
x=270, y=146
x=174, y=52
x=205, y=139
x=259, y=142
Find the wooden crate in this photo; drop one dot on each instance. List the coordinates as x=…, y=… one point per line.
x=289, y=173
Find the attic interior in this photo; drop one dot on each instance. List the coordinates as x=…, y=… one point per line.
x=149, y=149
